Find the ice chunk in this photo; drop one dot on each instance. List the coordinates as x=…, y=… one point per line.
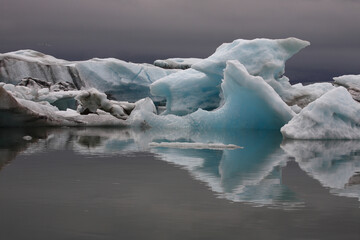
x=261, y=57
x=194, y=145
x=91, y=100
x=187, y=91
x=22, y=112
x=299, y=94
x=122, y=80
x=198, y=87
x=249, y=103
x=349, y=81
x=335, y=115
x=34, y=83
x=352, y=83
x=119, y=79
x=177, y=63
x=266, y=58
x=61, y=99
x=15, y=66
x=27, y=138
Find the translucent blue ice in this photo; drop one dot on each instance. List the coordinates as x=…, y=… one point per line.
x=249, y=103
x=198, y=87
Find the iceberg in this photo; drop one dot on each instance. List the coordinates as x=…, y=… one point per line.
x=20, y=107
x=335, y=115
x=14, y=66
x=351, y=83
x=240, y=86
x=249, y=103
x=261, y=57
x=185, y=91
x=122, y=80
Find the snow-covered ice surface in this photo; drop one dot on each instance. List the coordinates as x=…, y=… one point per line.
x=335, y=115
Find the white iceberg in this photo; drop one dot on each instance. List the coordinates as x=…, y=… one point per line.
x=119, y=79
x=352, y=83
x=93, y=108
x=349, y=81
x=335, y=115
x=122, y=80
x=17, y=65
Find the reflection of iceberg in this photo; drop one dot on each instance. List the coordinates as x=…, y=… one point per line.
x=17, y=140
x=335, y=164
x=89, y=141
x=242, y=175
x=252, y=174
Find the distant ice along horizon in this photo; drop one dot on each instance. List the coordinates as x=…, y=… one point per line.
x=240, y=86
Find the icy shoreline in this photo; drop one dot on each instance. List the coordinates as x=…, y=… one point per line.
x=241, y=86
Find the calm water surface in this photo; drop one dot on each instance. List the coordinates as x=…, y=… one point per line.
x=109, y=184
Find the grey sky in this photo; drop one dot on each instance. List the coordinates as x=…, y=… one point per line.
x=143, y=30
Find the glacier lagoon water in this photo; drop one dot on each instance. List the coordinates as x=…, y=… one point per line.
x=105, y=183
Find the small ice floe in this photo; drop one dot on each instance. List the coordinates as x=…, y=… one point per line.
x=27, y=138
x=194, y=145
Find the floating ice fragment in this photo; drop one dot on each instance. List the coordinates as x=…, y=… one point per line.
x=335, y=115
x=218, y=146
x=27, y=138
x=352, y=83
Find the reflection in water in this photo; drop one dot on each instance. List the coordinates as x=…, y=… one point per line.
x=12, y=142
x=335, y=164
x=252, y=174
